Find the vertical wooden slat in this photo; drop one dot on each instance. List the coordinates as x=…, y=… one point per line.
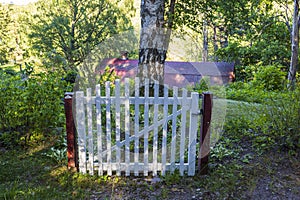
x=205, y=133
x=165, y=130
x=155, y=123
x=127, y=127
x=136, y=125
x=194, y=112
x=146, y=125
x=108, y=127
x=99, y=129
x=183, y=127
x=90, y=130
x=81, y=128
x=118, y=126
x=174, y=127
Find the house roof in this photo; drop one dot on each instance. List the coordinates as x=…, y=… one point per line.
x=177, y=73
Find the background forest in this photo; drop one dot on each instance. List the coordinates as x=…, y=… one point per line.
x=58, y=34
x=42, y=45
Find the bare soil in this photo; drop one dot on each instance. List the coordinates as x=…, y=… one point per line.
x=273, y=175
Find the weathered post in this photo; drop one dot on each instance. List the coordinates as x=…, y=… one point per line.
x=205, y=133
x=71, y=132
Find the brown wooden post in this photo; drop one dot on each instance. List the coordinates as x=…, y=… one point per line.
x=205, y=133
x=71, y=133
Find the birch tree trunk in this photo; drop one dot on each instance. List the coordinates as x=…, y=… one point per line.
x=205, y=42
x=215, y=44
x=295, y=46
x=153, y=41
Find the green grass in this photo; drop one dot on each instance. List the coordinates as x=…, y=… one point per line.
x=30, y=174
x=240, y=168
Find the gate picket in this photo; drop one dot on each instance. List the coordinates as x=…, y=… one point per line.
x=174, y=128
x=108, y=127
x=118, y=126
x=183, y=127
x=90, y=130
x=127, y=127
x=155, y=133
x=115, y=138
x=136, y=126
x=165, y=129
x=99, y=129
x=146, y=127
x=80, y=124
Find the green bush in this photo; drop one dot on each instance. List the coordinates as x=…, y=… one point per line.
x=282, y=120
x=275, y=120
x=204, y=85
x=31, y=107
x=245, y=73
x=247, y=92
x=260, y=83
x=272, y=123
x=270, y=78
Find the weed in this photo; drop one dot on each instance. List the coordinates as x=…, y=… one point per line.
x=172, y=178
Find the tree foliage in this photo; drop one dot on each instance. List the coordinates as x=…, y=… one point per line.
x=245, y=32
x=14, y=41
x=5, y=21
x=66, y=31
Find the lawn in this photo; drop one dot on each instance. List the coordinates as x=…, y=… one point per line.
x=241, y=167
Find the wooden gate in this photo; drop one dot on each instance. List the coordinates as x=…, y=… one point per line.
x=120, y=133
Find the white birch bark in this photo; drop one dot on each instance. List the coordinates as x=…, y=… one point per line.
x=295, y=46
x=205, y=42
x=152, y=50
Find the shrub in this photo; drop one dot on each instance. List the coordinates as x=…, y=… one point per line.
x=282, y=122
x=245, y=73
x=260, y=83
x=246, y=92
x=202, y=86
x=31, y=107
x=275, y=121
x=270, y=78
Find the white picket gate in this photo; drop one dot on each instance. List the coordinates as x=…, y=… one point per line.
x=133, y=134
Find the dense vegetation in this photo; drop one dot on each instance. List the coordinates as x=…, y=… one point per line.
x=42, y=44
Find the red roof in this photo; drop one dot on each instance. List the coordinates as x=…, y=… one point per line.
x=177, y=73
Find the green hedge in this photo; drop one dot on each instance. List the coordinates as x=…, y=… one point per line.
x=30, y=107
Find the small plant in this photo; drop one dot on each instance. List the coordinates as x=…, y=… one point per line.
x=107, y=75
x=172, y=178
x=59, y=155
x=220, y=152
x=202, y=86
x=58, y=152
